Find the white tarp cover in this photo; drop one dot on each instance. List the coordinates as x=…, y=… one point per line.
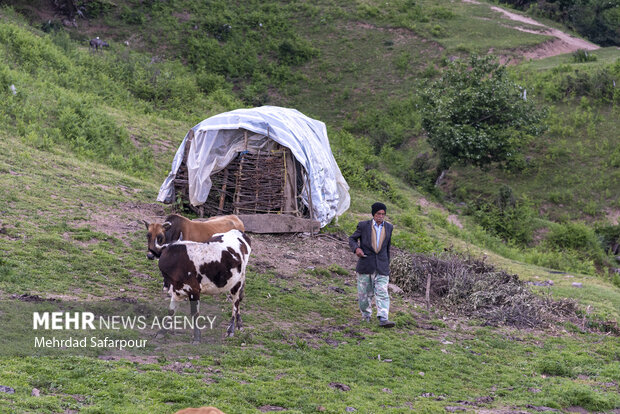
x=219, y=139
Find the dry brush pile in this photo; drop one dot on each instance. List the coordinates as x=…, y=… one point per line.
x=473, y=288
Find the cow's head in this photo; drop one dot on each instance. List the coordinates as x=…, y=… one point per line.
x=156, y=238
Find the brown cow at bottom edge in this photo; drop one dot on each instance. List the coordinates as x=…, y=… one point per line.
x=216, y=266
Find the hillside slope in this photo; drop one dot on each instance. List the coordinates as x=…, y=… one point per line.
x=70, y=232
x=80, y=166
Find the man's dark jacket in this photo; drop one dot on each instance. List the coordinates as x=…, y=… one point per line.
x=375, y=261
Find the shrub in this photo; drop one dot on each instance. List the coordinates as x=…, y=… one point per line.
x=442, y=13
x=131, y=16
x=568, y=261
x=506, y=217
x=572, y=236
x=414, y=237
x=391, y=125
x=385, y=184
x=355, y=157
x=437, y=30
x=555, y=367
x=209, y=82
x=597, y=84
x=296, y=52
x=582, y=55
x=255, y=94
x=96, y=8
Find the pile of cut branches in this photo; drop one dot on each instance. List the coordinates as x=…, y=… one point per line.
x=474, y=288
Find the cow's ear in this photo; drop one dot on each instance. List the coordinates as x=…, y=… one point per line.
x=166, y=225
x=145, y=223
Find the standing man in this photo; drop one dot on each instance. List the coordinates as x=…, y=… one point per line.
x=371, y=243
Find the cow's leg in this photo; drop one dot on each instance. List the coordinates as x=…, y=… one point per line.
x=239, y=324
x=231, y=327
x=172, y=309
x=236, y=293
x=194, y=301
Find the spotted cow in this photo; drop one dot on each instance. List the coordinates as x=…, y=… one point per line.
x=216, y=266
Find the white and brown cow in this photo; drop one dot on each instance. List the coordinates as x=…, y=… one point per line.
x=198, y=231
x=216, y=266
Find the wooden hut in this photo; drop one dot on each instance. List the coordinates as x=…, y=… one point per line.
x=255, y=171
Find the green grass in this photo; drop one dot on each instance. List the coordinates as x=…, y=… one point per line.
x=368, y=58
x=578, y=137
x=604, y=56
x=69, y=211
x=287, y=355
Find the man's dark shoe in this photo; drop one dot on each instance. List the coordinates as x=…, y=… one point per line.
x=384, y=323
x=365, y=318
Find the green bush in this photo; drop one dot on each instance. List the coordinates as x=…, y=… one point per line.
x=296, y=52
x=555, y=367
x=577, y=241
x=572, y=236
x=33, y=54
x=442, y=13
x=255, y=94
x=209, y=82
x=567, y=261
x=384, y=184
x=422, y=172
x=597, y=84
x=506, y=217
x=132, y=16
x=96, y=8
x=582, y=55
x=437, y=30
x=418, y=241
x=355, y=157
x=391, y=125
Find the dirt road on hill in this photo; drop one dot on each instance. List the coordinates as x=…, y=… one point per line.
x=563, y=42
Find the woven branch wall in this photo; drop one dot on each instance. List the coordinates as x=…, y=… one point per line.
x=252, y=183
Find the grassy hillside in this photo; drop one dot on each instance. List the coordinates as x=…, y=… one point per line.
x=70, y=233
x=88, y=137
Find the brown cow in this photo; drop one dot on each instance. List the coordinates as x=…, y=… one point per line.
x=198, y=231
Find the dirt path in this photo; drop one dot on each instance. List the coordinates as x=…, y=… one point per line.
x=563, y=42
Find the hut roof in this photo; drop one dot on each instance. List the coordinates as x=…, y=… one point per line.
x=216, y=141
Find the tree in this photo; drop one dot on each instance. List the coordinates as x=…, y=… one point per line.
x=598, y=20
x=474, y=114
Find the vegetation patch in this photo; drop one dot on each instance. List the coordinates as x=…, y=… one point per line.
x=474, y=288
